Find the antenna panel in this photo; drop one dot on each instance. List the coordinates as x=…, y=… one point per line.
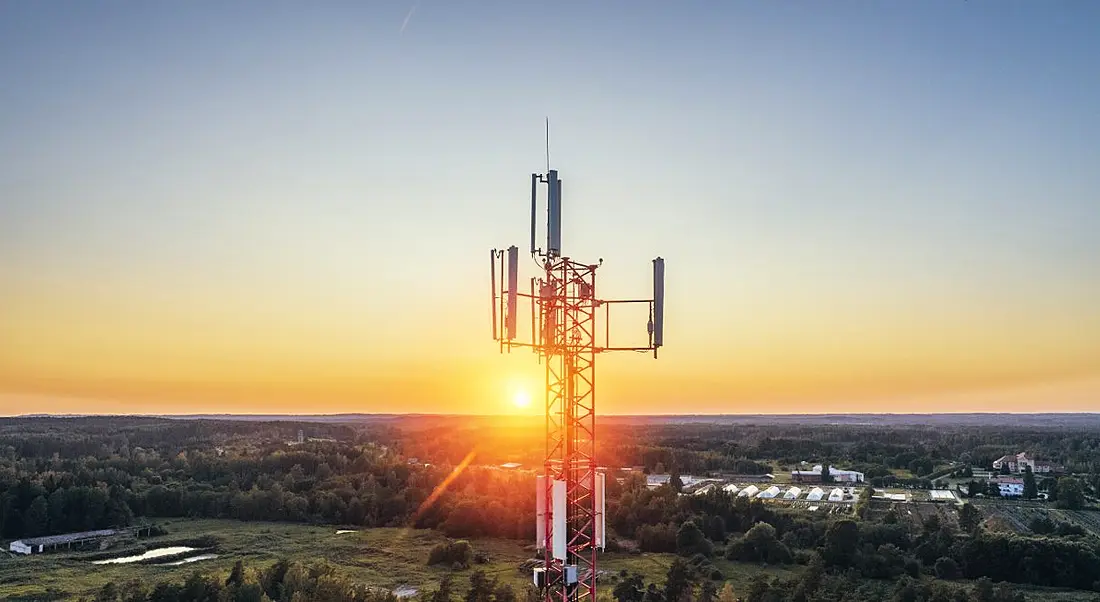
x=534, y=196
x=553, y=220
x=493, y=276
x=513, y=291
x=658, y=302
x=540, y=512
x=558, y=515
x=601, y=510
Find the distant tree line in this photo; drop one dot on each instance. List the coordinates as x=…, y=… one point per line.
x=59, y=481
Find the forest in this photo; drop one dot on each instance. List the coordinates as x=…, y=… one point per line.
x=66, y=474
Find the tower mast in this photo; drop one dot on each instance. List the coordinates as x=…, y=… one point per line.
x=570, y=504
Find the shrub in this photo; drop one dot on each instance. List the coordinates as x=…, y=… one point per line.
x=455, y=553
x=947, y=568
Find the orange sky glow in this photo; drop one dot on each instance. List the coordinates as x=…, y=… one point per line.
x=862, y=208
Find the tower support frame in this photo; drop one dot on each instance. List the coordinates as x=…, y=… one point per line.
x=565, y=336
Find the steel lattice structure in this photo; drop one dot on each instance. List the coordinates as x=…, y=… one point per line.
x=564, y=334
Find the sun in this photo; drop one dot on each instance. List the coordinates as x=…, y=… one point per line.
x=521, y=399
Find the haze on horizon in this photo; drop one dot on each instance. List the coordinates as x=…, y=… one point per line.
x=264, y=207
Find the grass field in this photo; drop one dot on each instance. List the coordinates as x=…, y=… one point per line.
x=382, y=557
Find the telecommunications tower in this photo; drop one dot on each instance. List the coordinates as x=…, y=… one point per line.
x=570, y=521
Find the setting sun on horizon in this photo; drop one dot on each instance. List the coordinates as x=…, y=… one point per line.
x=885, y=208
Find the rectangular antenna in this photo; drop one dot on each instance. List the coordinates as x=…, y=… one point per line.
x=493, y=274
x=534, y=196
x=513, y=290
x=601, y=510
x=540, y=512
x=558, y=518
x=534, y=304
x=658, y=302
x=553, y=210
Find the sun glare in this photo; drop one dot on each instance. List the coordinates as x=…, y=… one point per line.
x=521, y=399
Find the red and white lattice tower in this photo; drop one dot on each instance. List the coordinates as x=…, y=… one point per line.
x=570, y=521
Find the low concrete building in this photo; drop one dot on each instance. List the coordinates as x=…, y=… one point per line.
x=20, y=547
x=942, y=495
x=1010, y=487
x=37, y=545
x=837, y=475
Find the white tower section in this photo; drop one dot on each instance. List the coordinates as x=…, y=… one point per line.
x=558, y=516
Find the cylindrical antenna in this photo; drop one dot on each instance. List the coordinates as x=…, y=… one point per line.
x=548, y=143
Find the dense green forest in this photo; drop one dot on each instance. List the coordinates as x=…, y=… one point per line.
x=696, y=448
x=69, y=475
x=60, y=475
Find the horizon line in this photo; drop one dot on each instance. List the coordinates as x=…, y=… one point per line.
x=505, y=415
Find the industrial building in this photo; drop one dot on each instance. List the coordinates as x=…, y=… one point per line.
x=792, y=493
x=836, y=474
x=37, y=545
x=749, y=491
x=731, y=489
x=815, y=495
x=836, y=495
x=654, y=481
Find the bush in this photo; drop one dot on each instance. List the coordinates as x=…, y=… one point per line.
x=455, y=553
x=690, y=540
x=759, y=545
x=947, y=568
x=716, y=575
x=657, y=538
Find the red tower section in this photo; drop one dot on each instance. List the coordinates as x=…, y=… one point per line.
x=565, y=311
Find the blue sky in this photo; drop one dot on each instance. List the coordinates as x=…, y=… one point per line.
x=845, y=180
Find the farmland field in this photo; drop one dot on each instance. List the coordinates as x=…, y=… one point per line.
x=385, y=557
x=1018, y=516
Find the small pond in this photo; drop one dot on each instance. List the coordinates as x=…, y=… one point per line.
x=191, y=559
x=156, y=553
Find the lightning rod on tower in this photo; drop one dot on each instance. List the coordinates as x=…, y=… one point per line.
x=570, y=501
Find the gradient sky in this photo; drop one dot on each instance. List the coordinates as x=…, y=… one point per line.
x=287, y=207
